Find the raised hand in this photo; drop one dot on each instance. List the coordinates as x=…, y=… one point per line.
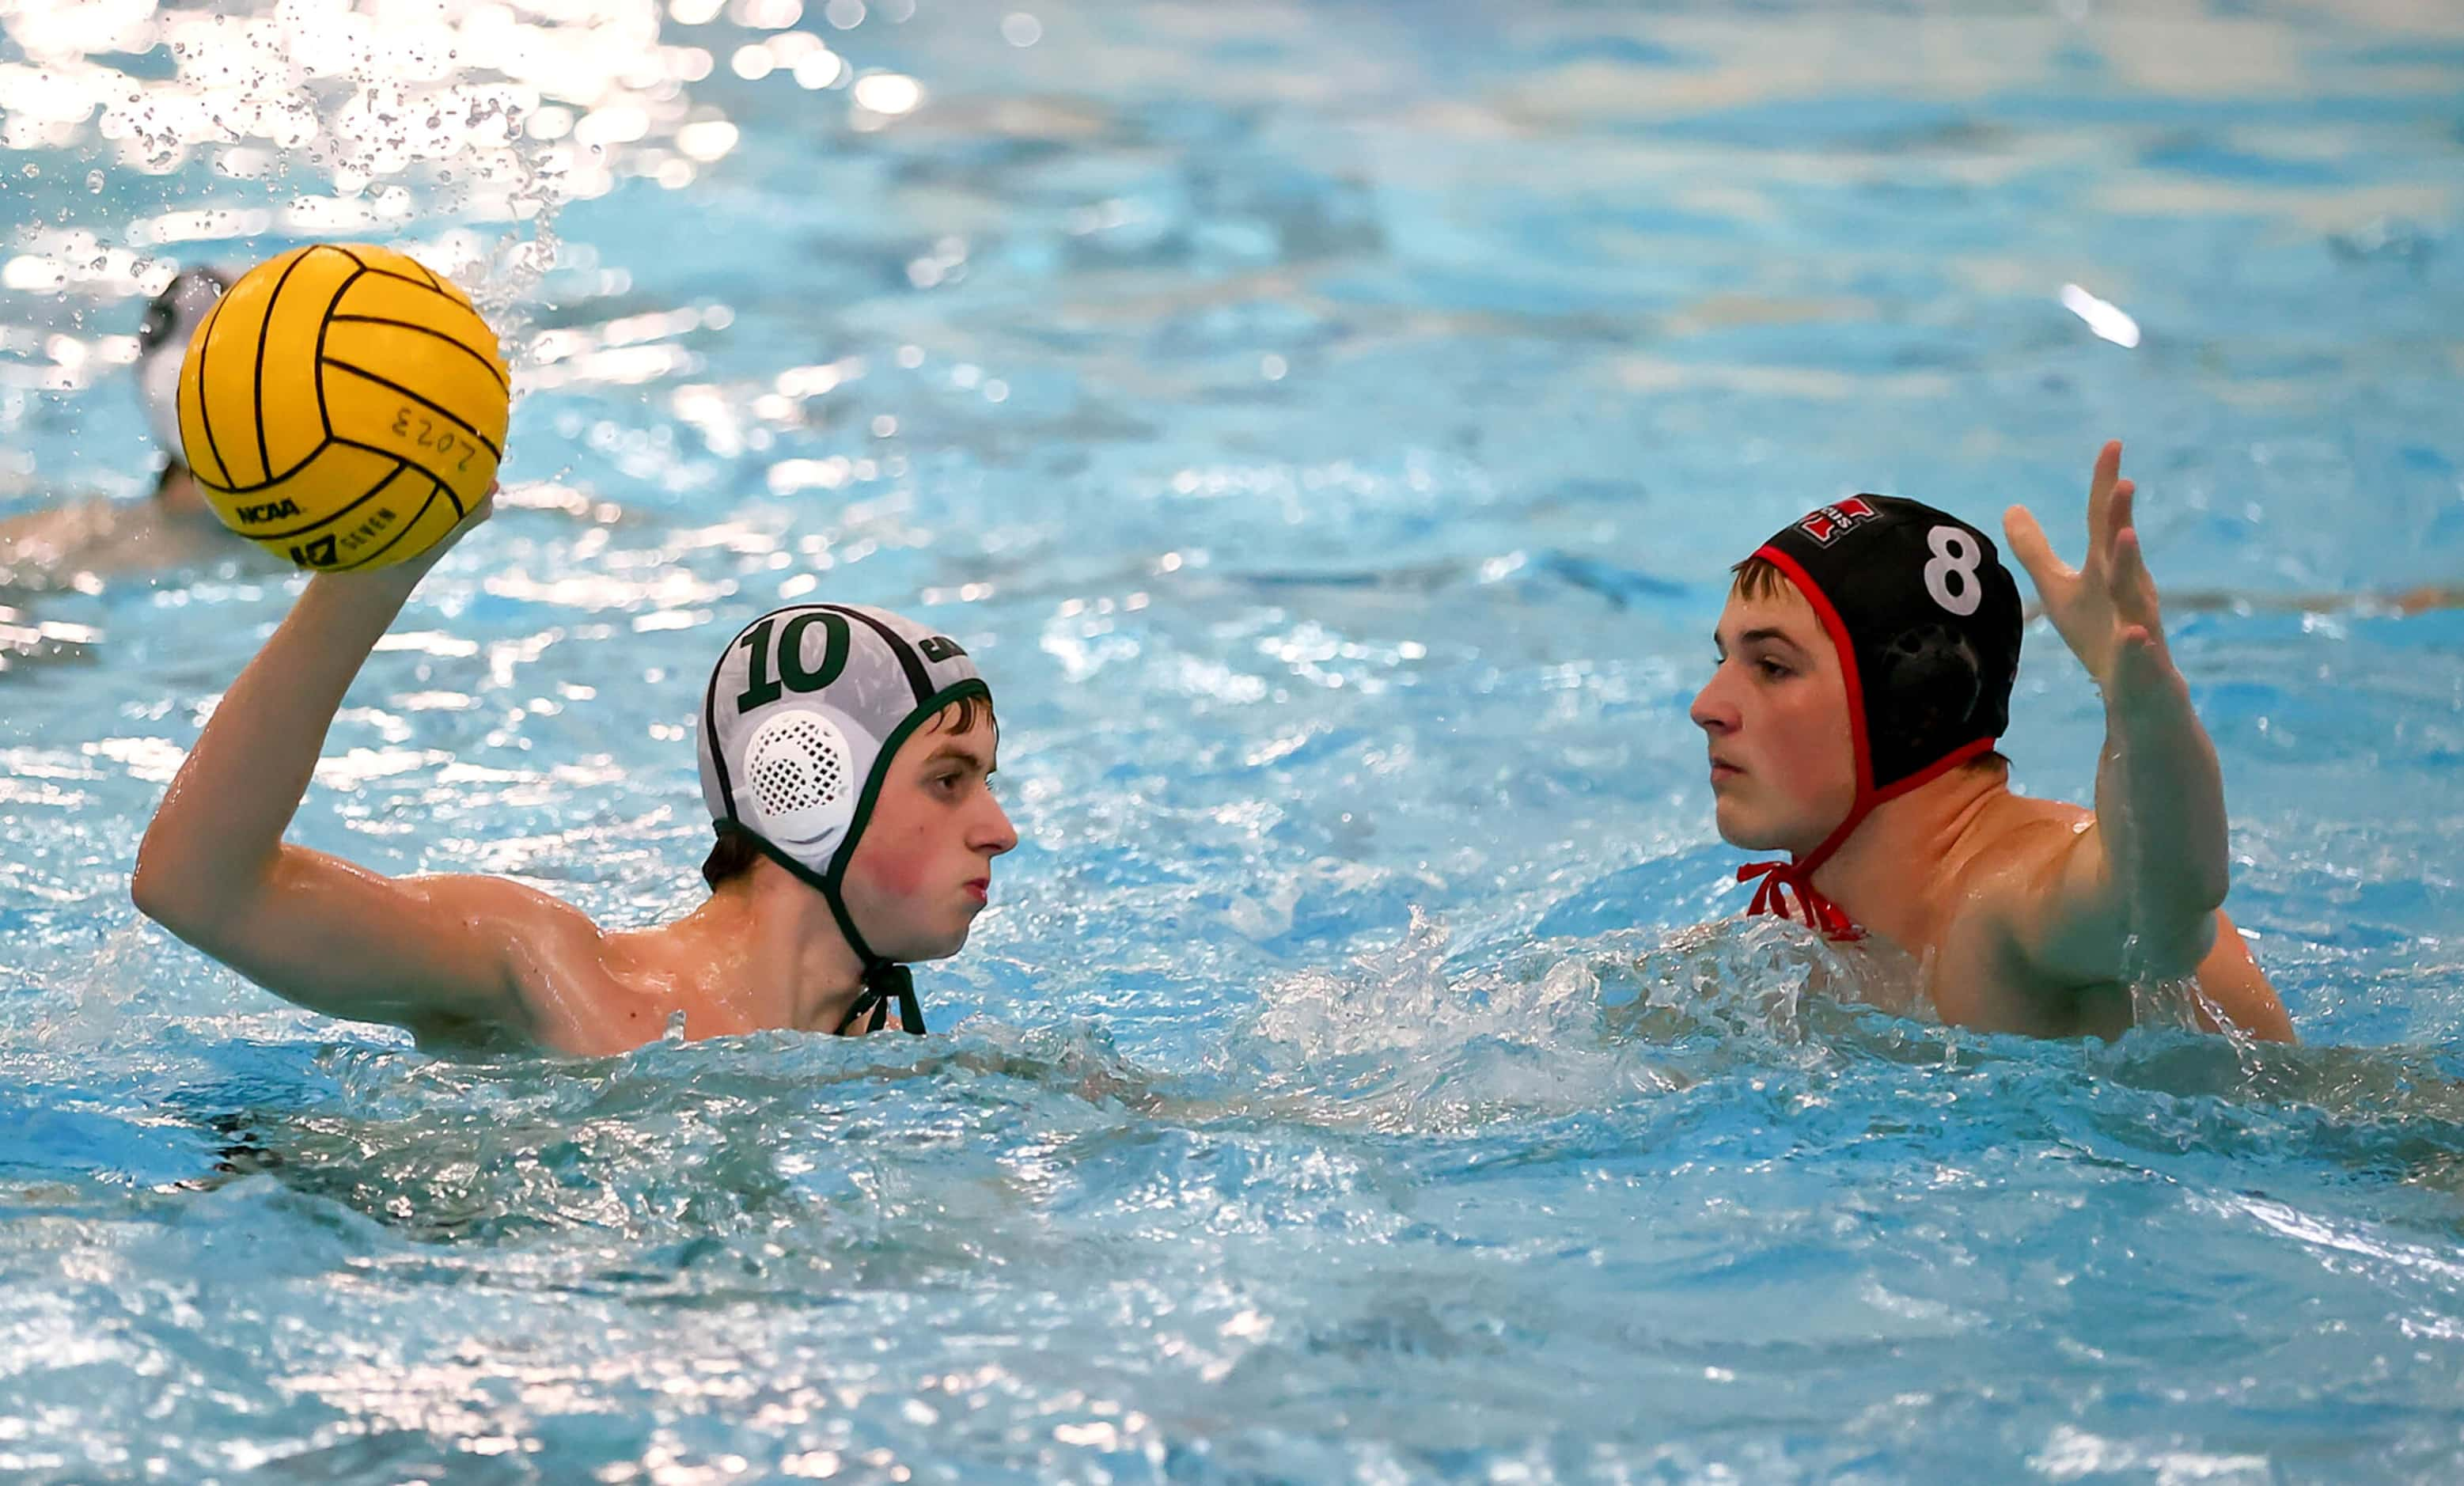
x=478, y=514
x=401, y=578
x=2105, y=608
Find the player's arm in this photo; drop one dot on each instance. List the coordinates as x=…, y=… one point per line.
x=424, y=952
x=2135, y=896
x=42, y=539
x=2235, y=991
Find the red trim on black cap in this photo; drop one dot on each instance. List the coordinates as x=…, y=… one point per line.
x=1841, y=642
x=1779, y=878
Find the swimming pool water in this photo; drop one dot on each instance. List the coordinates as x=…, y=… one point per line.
x=1328, y=426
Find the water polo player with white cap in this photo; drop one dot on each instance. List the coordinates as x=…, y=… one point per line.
x=800, y=720
x=1866, y=655
x=175, y=525
x=171, y=320
x=845, y=758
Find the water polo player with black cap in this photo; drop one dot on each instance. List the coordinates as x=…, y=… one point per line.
x=845, y=756
x=1866, y=655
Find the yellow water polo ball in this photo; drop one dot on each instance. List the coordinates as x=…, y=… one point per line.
x=343, y=407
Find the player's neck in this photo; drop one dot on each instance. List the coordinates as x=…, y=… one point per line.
x=177, y=495
x=1883, y=875
x=789, y=964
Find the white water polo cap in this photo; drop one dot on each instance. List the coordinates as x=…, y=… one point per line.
x=171, y=320
x=801, y=717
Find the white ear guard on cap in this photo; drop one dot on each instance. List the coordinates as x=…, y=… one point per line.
x=800, y=775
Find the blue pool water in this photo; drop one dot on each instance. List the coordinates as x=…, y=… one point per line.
x=1328, y=424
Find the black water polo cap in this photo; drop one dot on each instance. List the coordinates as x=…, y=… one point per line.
x=1926, y=622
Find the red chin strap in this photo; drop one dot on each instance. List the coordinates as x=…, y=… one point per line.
x=1779, y=879
x=1819, y=912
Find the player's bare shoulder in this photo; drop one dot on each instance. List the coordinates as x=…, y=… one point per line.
x=560, y=989
x=2016, y=841
x=2016, y=846
x=1976, y=973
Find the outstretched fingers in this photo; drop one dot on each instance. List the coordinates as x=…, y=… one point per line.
x=2027, y=542
x=2117, y=505
x=2101, y=487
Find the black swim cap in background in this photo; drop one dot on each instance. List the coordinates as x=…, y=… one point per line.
x=1926, y=622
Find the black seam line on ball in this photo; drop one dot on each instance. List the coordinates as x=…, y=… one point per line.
x=425, y=330
x=398, y=536
x=396, y=387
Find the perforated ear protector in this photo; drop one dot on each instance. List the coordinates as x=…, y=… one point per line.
x=800, y=771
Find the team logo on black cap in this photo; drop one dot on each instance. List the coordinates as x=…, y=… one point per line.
x=1827, y=525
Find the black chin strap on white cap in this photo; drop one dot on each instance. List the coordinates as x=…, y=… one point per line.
x=801, y=717
x=883, y=980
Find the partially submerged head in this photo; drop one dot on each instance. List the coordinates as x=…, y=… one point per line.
x=1865, y=650
x=851, y=747
x=171, y=320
